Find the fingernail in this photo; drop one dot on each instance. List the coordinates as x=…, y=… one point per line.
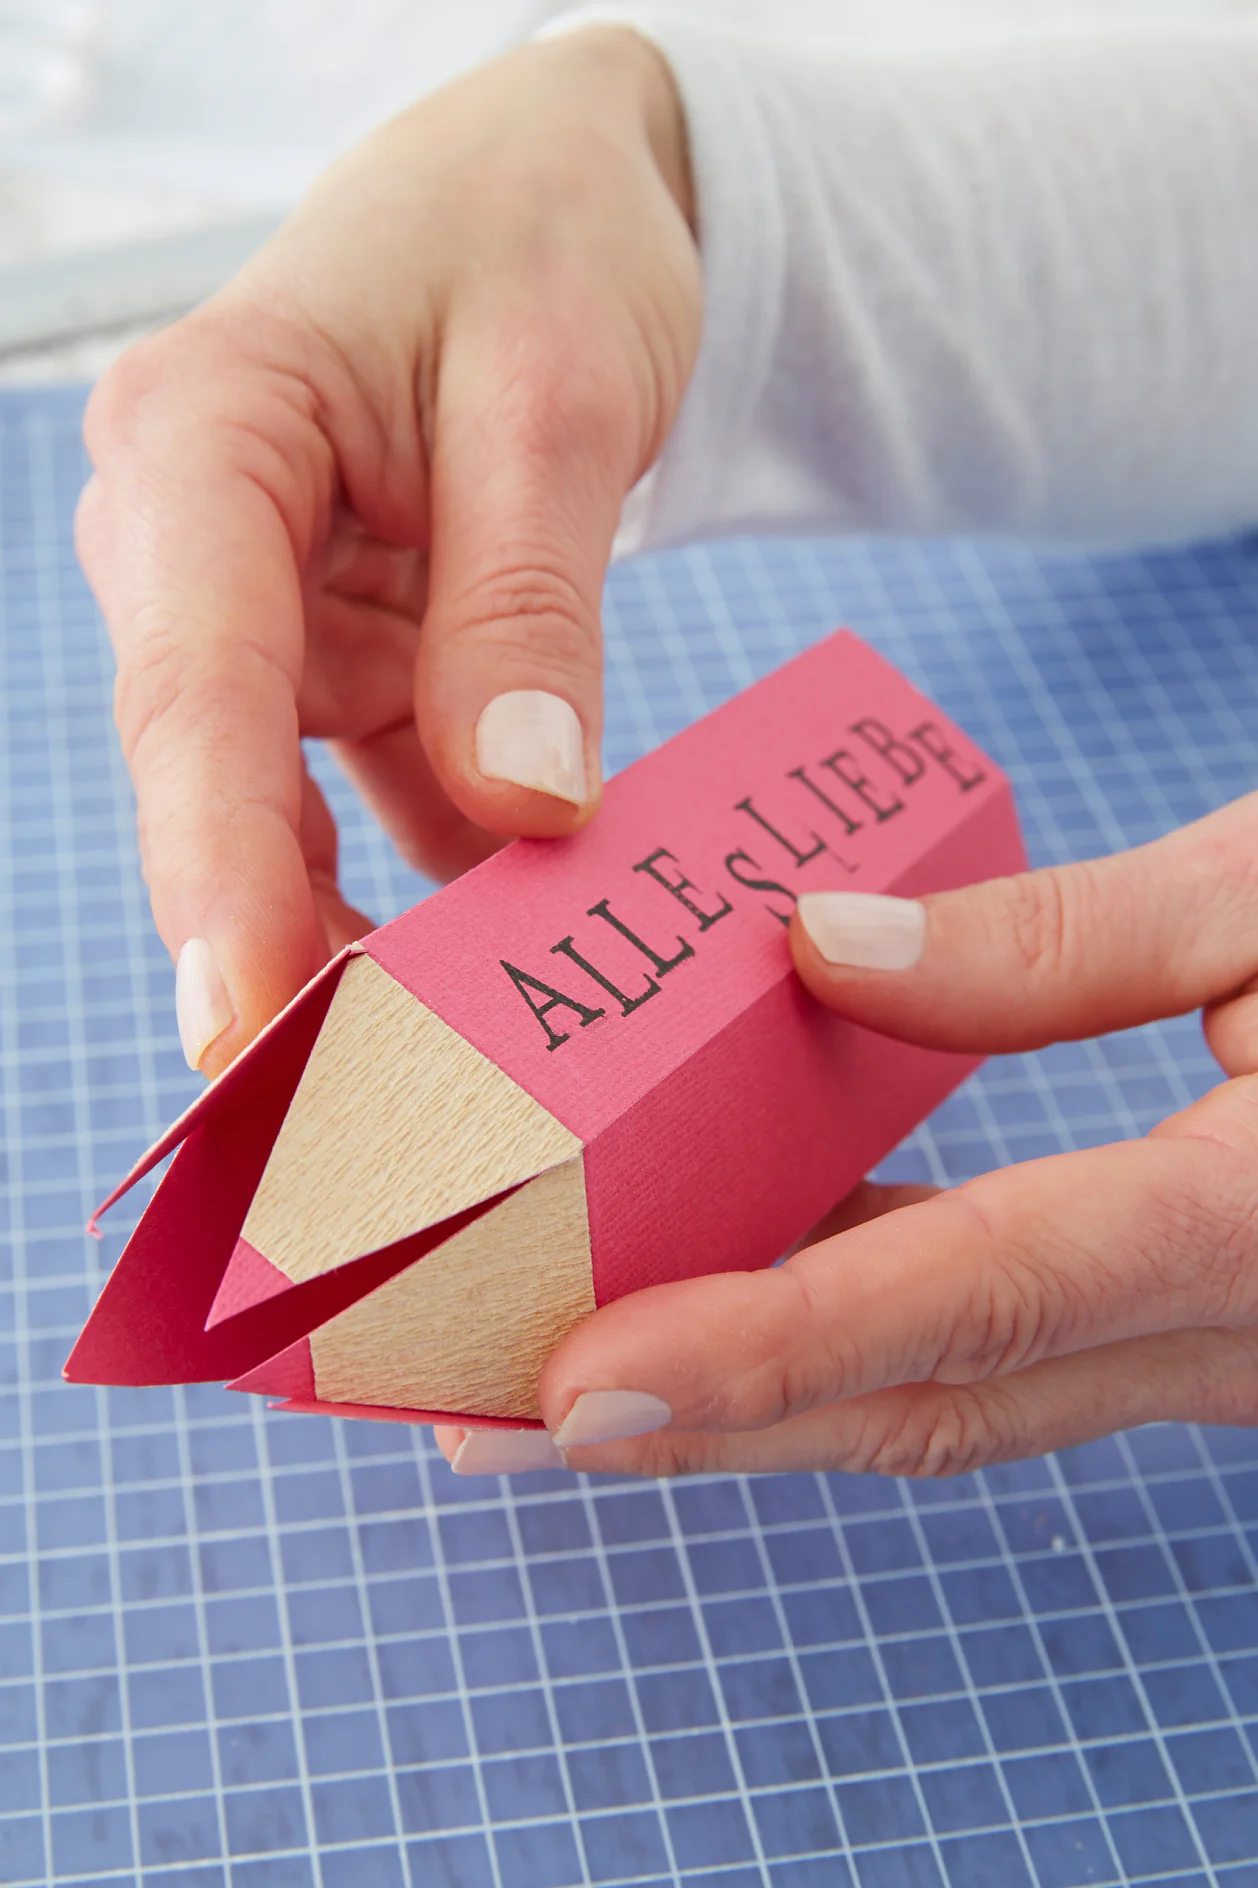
x=505, y=1452
x=864, y=929
x=610, y=1416
x=203, y=1008
x=535, y=740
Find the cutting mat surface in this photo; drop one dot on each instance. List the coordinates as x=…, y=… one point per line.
x=248, y=1649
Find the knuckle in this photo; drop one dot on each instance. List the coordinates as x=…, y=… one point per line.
x=1039, y=922
x=563, y=397
x=170, y=684
x=1208, y=1207
x=793, y=1376
x=1022, y=1312
x=1225, y=854
x=122, y=392
x=1018, y=1307
x=151, y=676
x=90, y=529
x=130, y=402
x=937, y=1434
x=219, y=368
x=664, y=1455
x=531, y=607
x=1000, y=1328
x=1217, y=1279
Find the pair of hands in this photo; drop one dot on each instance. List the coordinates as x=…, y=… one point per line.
x=370, y=490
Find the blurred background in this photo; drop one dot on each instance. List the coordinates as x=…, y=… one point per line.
x=127, y=121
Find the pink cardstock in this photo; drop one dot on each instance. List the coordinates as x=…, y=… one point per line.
x=635, y=980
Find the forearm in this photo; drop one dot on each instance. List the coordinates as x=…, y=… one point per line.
x=1010, y=287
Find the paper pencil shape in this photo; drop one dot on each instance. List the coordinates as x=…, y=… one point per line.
x=585, y=1068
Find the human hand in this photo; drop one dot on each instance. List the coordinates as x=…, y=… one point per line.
x=368, y=493
x=1029, y=1309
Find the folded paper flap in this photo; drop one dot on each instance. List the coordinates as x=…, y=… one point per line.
x=589, y=968
x=150, y=1324
x=227, y=1088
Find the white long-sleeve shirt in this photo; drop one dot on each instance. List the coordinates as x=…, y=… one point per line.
x=1011, y=286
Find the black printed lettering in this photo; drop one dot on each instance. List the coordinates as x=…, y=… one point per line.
x=524, y=983
x=758, y=884
x=567, y=948
x=877, y=734
x=662, y=965
x=850, y=825
x=679, y=886
x=800, y=857
x=845, y=767
x=932, y=737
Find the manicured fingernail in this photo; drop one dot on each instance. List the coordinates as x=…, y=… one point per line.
x=864, y=929
x=534, y=740
x=203, y=1008
x=505, y=1452
x=610, y=1416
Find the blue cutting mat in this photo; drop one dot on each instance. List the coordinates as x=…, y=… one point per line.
x=272, y=1652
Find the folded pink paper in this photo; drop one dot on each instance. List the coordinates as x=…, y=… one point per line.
x=583, y=1069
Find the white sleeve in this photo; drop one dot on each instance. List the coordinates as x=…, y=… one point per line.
x=1010, y=286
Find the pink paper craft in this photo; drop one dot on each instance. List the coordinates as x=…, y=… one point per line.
x=635, y=982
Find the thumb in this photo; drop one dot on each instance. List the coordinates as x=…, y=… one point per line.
x=1048, y=956
x=537, y=441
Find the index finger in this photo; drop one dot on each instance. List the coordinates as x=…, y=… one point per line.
x=1053, y=955
x=187, y=536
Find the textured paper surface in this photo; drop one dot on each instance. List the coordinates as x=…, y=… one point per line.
x=687, y=797
x=727, y=1111
x=808, y=1103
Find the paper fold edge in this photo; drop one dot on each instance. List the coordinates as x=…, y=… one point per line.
x=220, y=1091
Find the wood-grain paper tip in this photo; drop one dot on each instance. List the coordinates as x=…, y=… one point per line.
x=584, y=1068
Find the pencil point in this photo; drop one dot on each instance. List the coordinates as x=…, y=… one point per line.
x=397, y=1124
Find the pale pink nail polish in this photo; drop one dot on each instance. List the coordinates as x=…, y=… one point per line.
x=534, y=740
x=611, y=1416
x=864, y=930
x=203, y=1009
x=505, y=1452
